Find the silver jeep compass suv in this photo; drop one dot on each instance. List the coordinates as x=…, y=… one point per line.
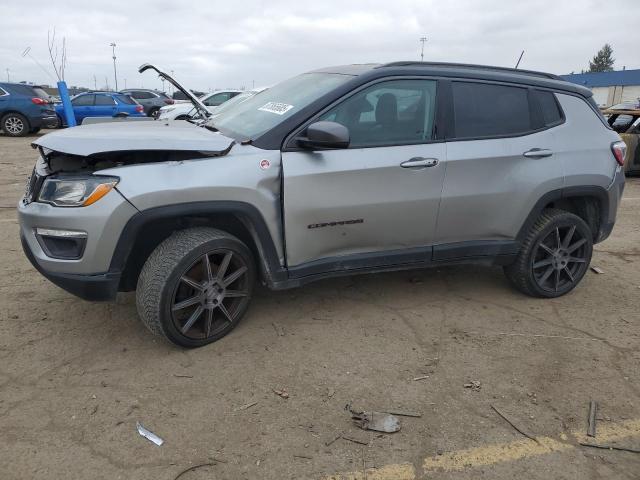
x=344, y=170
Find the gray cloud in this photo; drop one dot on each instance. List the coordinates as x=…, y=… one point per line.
x=233, y=44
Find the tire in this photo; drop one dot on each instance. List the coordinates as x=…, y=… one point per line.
x=554, y=256
x=15, y=125
x=154, y=112
x=174, y=286
x=59, y=123
x=34, y=130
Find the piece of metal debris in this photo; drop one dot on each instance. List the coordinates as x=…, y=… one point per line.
x=377, y=421
x=281, y=392
x=423, y=377
x=191, y=469
x=354, y=440
x=403, y=413
x=474, y=385
x=334, y=439
x=246, y=406
x=596, y=269
x=518, y=429
x=152, y=437
x=593, y=411
x=609, y=447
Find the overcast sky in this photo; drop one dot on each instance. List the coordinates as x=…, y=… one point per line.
x=217, y=44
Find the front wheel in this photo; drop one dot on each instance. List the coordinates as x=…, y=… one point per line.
x=554, y=256
x=196, y=286
x=15, y=125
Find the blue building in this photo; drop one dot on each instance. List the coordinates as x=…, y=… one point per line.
x=610, y=88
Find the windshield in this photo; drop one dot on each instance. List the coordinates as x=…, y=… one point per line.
x=262, y=112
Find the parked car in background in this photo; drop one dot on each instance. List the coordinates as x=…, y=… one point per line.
x=151, y=100
x=24, y=109
x=624, y=118
x=100, y=104
x=181, y=111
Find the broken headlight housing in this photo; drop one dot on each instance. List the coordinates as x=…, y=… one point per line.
x=76, y=191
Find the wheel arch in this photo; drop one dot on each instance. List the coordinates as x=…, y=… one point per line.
x=14, y=111
x=590, y=202
x=148, y=228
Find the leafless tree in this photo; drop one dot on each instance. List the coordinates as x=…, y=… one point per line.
x=58, y=67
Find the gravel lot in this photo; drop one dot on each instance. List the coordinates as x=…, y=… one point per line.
x=76, y=376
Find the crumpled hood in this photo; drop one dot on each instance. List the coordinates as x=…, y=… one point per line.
x=87, y=140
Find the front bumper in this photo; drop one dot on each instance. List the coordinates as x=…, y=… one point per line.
x=96, y=288
x=90, y=276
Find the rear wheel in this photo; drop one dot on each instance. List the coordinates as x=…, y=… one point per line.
x=15, y=125
x=196, y=286
x=554, y=256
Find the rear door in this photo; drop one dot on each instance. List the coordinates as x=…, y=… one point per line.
x=104, y=106
x=500, y=161
x=4, y=100
x=82, y=106
x=379, y=195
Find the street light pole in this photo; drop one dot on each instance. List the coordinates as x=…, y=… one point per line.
x=423, y=40
x=115, y=73
x=8, y=78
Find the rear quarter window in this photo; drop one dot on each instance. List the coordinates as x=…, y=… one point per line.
x=127, y=100
x=551, y=113
x=488, y=110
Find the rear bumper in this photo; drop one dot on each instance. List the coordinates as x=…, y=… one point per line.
x=614, y=195
x=43, y=121
x=96, y=288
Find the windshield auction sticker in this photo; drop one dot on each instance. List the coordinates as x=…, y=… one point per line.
x=275, y=107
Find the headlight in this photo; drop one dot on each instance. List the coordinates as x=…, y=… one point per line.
x=166, y=109
x=75, y=192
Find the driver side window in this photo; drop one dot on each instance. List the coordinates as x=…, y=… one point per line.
x=388, y=113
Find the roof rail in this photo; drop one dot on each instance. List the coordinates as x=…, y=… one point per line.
x=469, y=66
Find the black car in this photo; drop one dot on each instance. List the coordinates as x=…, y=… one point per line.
x=24, y=109
x=151, y=100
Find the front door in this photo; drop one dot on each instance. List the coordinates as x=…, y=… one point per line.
x=379, y=195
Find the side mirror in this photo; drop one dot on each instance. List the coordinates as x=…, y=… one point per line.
x=324, y=134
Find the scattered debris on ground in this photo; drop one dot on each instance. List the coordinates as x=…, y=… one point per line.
x=424, y=377
x=403, y=413
x=354, y=440
x=609, y=447
x=149, y=435
x=281, y=392
x=191, y=469
x=518, y=429
x=593, y=411
x=377, y=421
x=246, y=406
x=473, y=385
x=278, y=328
x=334, y=439
x=597, y=269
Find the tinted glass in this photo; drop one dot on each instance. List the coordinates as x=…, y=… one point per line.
x=484, y=110
x=22, y=90
x=550, y=109
x=2, y=92
x=127, y=100
x=142, y=95
x=397, y=112
x=104, y=100
x=217, y=99
x=83, y=100
x=263, y=112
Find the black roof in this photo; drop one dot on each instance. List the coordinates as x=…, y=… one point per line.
x=372, y=71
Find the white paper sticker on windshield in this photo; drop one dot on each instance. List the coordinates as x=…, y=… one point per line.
x=275, y=107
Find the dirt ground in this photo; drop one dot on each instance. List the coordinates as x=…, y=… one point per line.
x=76, y=376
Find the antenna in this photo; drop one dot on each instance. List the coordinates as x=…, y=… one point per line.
x=518, y=63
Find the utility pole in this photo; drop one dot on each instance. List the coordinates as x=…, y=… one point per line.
x=423, y=40
x=95, y=83
x=125, y=83
x=115, y=73
x=8, y=77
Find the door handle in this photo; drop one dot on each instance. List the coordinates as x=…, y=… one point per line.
x=419, y=162
x=537, y=153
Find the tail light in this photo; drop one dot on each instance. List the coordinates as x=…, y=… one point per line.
x=169, y=101
x=39, y=101
x=139, y=108
x=619, y=150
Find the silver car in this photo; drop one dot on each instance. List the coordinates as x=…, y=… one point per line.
x=343, y=170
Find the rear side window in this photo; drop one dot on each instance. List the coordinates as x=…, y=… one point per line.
x=83, y=100
x=22, y=90
x=104, y=100
x=3, y=92
x=142, y=95
x=127, y=100
x=485, y=110
x=551, y=113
